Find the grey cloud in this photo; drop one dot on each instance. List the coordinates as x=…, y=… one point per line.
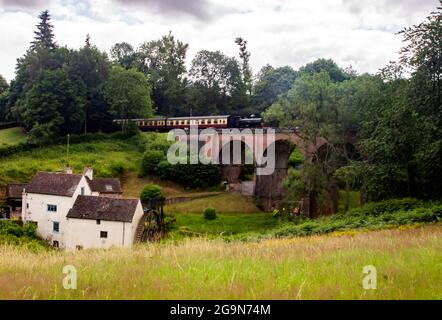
x=384, y=6
x=200, y=9
x=22, y=3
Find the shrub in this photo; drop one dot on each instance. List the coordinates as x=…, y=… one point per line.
x=194, y=176
x=151, y=191
x=387, y=206
x=296, y=159
x=210, y=213
x=150, y=161
x=117, y=168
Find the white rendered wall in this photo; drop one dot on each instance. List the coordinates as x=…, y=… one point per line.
x=35, y=209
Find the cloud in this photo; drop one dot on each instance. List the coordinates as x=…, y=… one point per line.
x=279, y=32
x=16, y=4
x=200, y=9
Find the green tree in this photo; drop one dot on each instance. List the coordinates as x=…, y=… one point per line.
x=44, y=36
x=3, y=84
x=4, y=97
x=244, y=55
x=55, y=104
x=163, y=62
x=311, y=106
x=128, y=94
x=218, y=78
x=270, y=84
x=328, y=65
x=92, y=67
x=150, y=192
x=124, y=54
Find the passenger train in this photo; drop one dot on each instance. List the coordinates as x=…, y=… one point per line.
x=203, y=122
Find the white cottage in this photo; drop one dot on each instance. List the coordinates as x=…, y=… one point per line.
x=100, y=222
x=50, y=196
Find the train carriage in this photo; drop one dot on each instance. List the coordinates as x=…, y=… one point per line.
x=203, y=122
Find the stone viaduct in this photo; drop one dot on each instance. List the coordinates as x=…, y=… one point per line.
x=255, y=146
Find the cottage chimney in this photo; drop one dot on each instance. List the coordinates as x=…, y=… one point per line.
x=67, y=170
x=88, y=172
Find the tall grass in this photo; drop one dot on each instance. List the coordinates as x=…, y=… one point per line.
x=408, y=266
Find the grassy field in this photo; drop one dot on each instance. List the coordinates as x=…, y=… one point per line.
x=408, y=264
x=108, y=158
x=12, y=136
x=194, y=224
x=223, y=203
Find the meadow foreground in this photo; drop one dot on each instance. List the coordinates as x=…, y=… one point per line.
x=408, y=262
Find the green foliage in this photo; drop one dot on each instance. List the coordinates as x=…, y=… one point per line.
x=44, y=36
x=128, y=94
x=218, y=86
x=391, y=213
x=296, y=158
x=150, y=192
x=271, y=83
x=151, y=159
x=93, y=67
x=12, y=136
x=124, y=54
x=209, y=213
x=191, y=176
x=163, y=62
x=13, y=233
x=329, y=66
x=109, y=155
x=54, y=106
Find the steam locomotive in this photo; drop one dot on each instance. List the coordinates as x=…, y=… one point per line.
x=217, y=122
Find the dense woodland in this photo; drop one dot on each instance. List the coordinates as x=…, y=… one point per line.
x=396, y=114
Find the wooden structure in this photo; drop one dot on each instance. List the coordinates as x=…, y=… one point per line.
x=152, y=226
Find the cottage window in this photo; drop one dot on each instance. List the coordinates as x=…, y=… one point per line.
x=52, y=208
x=103, y=234
x=98, y=221
x=82, y=191
x=27, y=205
x=56, y=226
x=55, y=244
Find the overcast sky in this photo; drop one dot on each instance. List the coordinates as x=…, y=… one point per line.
x=279, y=32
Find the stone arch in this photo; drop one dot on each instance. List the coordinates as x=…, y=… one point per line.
x=231, y=162
x=269, y=190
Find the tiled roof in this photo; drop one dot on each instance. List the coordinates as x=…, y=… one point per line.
x=105, y=185
x=14, y=190
x=54, y=183
x=102, y=208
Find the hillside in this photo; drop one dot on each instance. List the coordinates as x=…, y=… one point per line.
x=111, y=157
x=12, y=136
x=319, y=267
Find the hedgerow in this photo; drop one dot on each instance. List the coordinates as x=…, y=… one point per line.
x=14, y=233
x=385, y=214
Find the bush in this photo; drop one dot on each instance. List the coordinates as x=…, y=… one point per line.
x=296, y=159
x=210, y=213
x=388, y=206
x=150, y=161
x=151, y=191
x=14, y=233
x=194, y=176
